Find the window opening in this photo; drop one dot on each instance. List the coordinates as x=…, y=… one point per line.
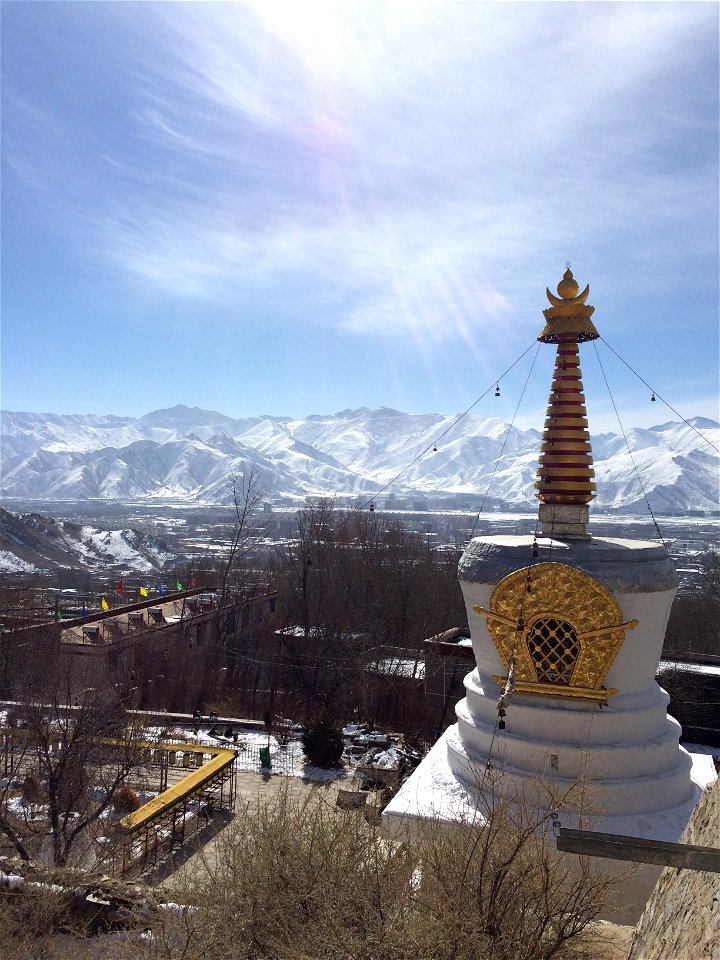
x=554, y=649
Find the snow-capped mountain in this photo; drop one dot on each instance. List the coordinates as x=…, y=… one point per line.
x=193, y=454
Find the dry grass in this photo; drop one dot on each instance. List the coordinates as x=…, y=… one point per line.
x=296, y=879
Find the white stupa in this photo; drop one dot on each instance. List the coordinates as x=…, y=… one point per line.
x=567, y=631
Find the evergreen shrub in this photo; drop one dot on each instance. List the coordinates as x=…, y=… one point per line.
x=322, y=741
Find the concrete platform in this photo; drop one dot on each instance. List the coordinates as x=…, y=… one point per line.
x=434, y=792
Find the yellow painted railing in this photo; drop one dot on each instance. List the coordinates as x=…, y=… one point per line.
x=193, y=783
x=199, y=779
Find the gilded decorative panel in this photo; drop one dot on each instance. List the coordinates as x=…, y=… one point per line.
x=560, y=628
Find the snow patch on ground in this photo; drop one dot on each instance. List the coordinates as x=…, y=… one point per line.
x=9, y=563
x=286, y=760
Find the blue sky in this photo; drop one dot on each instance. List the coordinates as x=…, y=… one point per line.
x=301, y=208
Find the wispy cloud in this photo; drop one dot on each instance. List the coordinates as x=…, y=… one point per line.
x=404, y=163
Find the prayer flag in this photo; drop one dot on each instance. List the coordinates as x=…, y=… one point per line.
x=84, y=609
x=178, y=585
x=143, y=592
x=58, y=616
x=104, y=604
x=161, y=589
x=119, y=590
x=193, y=581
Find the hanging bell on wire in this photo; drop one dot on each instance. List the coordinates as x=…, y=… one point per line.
x=497, y=389
x=435, y=448
x=372, y=507
x=652, y=398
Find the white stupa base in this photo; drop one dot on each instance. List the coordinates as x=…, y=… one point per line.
x=626, y=753
x=435, y=792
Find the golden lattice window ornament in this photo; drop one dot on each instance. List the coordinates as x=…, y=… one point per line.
x=563, y=636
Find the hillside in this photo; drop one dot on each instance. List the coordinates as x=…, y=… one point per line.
x=32, y=543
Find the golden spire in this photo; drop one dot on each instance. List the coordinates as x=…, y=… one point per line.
x=565, y=473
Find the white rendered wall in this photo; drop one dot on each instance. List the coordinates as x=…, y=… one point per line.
x=628, y=750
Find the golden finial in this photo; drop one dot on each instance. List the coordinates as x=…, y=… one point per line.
x=568, y=286
x=569, y=315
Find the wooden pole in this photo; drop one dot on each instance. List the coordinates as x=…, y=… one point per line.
x=616, y=847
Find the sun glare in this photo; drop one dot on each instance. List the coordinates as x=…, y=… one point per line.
x=314, y=30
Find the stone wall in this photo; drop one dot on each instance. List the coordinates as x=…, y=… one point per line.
x=682, y=918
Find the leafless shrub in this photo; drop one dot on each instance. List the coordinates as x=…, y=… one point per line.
x=283, y=730
x=125, y=800
x=298, y=879
x=303, y=880
x=30, y=924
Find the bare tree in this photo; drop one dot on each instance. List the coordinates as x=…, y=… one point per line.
x=10, y=825
x=242, y=584
x=80, y=747
x=694, y=623
x=246, y=498
x=353, y=582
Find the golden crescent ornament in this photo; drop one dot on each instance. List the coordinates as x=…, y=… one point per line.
x=559, y=302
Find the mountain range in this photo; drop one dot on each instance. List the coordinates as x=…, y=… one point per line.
x=193, y=454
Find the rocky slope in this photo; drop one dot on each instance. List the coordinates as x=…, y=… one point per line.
x=32, y=543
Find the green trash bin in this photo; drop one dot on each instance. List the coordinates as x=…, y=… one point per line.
x=265, y=761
